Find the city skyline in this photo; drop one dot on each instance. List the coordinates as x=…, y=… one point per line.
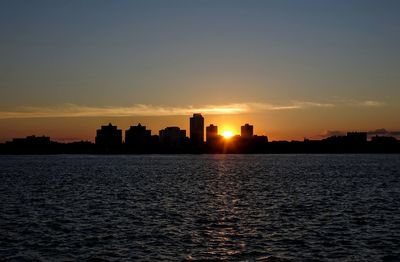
x=202, y=139
x=293, y=69
x=223, y=127
x=198, y=132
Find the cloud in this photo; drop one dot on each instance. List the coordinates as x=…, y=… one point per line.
x=72, y=110
x=329, y=133
x=257, y=107
x=299, y=105
x=358, y=103
x=370, y=103
x=383, y=132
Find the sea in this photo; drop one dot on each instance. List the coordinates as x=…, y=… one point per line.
x=200, y=208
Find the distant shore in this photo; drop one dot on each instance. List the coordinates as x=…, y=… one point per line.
x=334, y=145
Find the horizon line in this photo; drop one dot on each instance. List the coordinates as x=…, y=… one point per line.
x=382, y=132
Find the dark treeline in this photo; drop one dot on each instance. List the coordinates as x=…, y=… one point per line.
x=234, y=145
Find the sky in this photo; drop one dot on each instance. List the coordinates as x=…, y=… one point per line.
x=293, y=69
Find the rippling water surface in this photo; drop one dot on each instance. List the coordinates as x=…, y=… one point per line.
x=200, y=207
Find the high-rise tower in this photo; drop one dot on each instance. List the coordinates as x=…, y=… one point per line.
x=211, y=133
x=246, y=131
x=197, y=130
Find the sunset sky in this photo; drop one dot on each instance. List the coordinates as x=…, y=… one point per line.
x=293, y=69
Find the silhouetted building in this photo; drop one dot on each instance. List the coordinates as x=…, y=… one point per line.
x=31, y=144
x=137, y=136
x=211, y=133
x=172, y=137
x=260, y=139
x=214, y=142
x=246, y=131
x=357, y=137
x=197, y=130
x=384, y=139
x=109, y=136
x=32, y=140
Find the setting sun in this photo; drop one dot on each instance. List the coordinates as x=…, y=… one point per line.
x=227, y=134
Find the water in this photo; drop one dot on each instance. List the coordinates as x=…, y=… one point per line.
x=200, y=207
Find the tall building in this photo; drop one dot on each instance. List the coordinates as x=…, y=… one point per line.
x=137, y=136
x=211, y=133
x=172, y=137
x=109, y=136
x=197, y=130
x=246, y=131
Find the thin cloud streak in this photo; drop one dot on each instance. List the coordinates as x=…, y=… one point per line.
x=72, y=110
x=366, y=103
